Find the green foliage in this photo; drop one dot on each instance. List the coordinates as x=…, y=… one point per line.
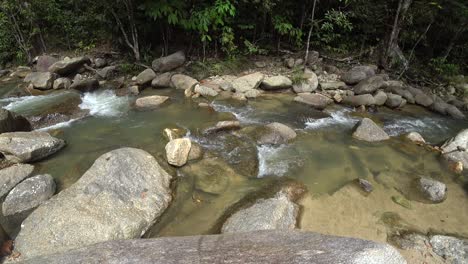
x=285, y=28
x=444, y=68
x=201, y=70
x=253, y=49
x=333, y=28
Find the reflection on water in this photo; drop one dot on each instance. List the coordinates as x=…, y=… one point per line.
x=324, y=156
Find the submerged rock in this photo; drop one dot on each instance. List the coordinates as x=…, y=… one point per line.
x=223, y=126
x=276, y=134
x=358, y=73
x=145, y=77
x=365, y=185
x=11, y=176
x=276, y=83
x=11, y=122
x=177, y=151
x=415, y=137
x=150, y=102
x=119, y=197
x=69, y=66
x=317, y=101
x=432, y=190
x=450, y=248
x=266, y=214
x=367, y=130
x=262, y=247
x=456, y=149
x=19, y=147
x=29, y=194
x=169, y=63
x=174, y=133
x=247, y=82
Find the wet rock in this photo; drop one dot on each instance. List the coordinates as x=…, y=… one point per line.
x=332, y=85
x=367, y=130
x=150, y=102
x=266, y=214
x=21, y=72
x=452, y=249
x=254, y=247
x=177, y=151
x=365, y=185
x=196, y=152
x=439, y=107
x=205, y=91
x=369, y=85
x=380, y=98
x=415, y=137
x=432, y=190
x=44, y=62
x=108, y=72
x=454, y=112
x=358, y=73
x=134, y=90
x=395, y=101
x=358, y=100
x=253, y=93
x=29, y=194
x=455, y=149
x=162, y=80
x=85, y=85
x=174, y=133
x=317, y=101
x=119, y=197
x=69, y=66
x=145, y=77
x=223, y=126
x=247, y=82
x=19, y=147
x=11, y=122
x=183, y=82
x=169, y=63
x=11, y=176
x=40, y=80
x=62, y=83
x=400, y=200
x=239, y=97
x=211, y=175
x=412, y=241
x=276, y=83
x=276, y=134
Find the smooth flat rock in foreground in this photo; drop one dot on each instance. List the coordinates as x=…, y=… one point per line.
x=119, y=197
x=291, y=247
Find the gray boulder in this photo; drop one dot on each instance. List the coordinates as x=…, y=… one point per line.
x=223, y=126
x=62, y=83
x=44, y=62
x=11, y=176
x=254, y=93
x=169, y=63
x=119, y=197
x=395, y=101
x=261, y=247
x=456, y=149
x=433, y=190
x=107, y=73
x=40, y=80
x=415, y=137
x=358, y=73
x=85, y=85
x=358, y=100
x=452, y=249
x=380, y=98
x=183, y=82
x=205, y=91
x=150, y=102
x=145, y=77
x=402, y=92
x=332, y=85
x=276, y=83
x=367, y=130
x=423, y=99
x=19, y=147
x=29, y=194
x=309, y=84
x=317, y=101
x=11, y=122
x=69, y=66
x=276, y=134
x=270, y=214
x=369, y=85
x=454, y=112
x=162, y=80
x=247, y=82
x=100, y=63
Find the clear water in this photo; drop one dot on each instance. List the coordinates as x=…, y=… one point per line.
x=324, y=156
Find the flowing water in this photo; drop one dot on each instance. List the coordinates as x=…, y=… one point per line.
x=324, y=156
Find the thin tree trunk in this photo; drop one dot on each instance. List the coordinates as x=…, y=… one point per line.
x=310, y=32
x=133, y=31
x=414, y=47
x=453, y=40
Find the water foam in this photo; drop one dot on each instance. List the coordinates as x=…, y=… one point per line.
x=271, y=161
x=243, y=114
x=58, y=125
x=105, y=103
x=400, y=126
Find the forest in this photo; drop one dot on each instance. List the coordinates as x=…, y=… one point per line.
x=401, y=35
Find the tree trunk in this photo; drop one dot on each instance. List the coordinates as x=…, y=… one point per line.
x=132, y=43
x=391, y=49
x=453, y=40
x=310, y=32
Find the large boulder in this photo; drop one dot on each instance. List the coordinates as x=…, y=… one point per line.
x=119, y=197
x=183, y=82
x=29, y=194
x=44, y=62
x=452, y=249
x=367, y=130
x=262, y=247
x=456, y=149
x=19, y=147
x=145, y=77
x=266, y=214
x=11, y=122
x=40, y=80
x=11, y=176
x=177, y=151
x=276, y=83
x=162, y=80
x=169, y=63
x=309, y=83
x=358, y=100
x=317, y=101
x=369, y=85
x=432, y=190
x=357, y=74
x=247, y=82
x=454, y=112
x=21, y=72
x=395, y=101
x=85, y=85
x=150, y=102
x=380, y=98
x=69, y=66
